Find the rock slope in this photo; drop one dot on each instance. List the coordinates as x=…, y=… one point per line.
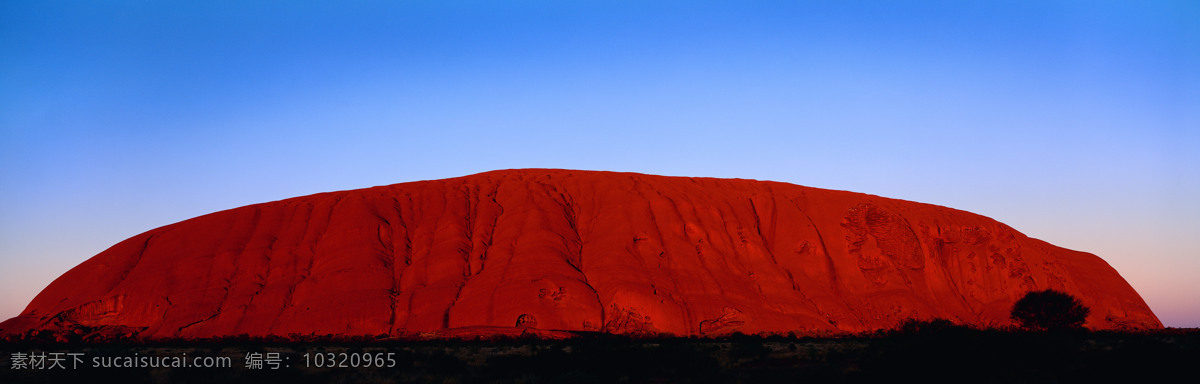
x=574, y=251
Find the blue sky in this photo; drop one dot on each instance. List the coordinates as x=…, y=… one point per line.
x=1076, y=122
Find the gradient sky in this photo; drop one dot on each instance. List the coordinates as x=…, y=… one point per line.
x=1076, y=122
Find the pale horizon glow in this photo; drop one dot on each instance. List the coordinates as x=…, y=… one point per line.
x=1074, y=122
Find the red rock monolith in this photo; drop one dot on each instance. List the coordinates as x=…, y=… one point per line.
x=562, y=250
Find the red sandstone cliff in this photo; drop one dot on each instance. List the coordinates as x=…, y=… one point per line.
x=573, y=250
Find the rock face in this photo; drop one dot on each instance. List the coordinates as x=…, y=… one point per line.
x=574, y=251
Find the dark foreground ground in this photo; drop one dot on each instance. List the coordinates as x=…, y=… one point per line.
x=915, y=355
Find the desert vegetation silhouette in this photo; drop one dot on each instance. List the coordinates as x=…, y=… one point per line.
x=1049, y=310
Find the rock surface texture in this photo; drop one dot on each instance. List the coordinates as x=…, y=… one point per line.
x=572, y=251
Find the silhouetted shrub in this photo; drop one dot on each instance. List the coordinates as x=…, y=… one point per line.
x=918, y=327
x=1049, y=310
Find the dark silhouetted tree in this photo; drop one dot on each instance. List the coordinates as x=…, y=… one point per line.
x=1049, y=310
